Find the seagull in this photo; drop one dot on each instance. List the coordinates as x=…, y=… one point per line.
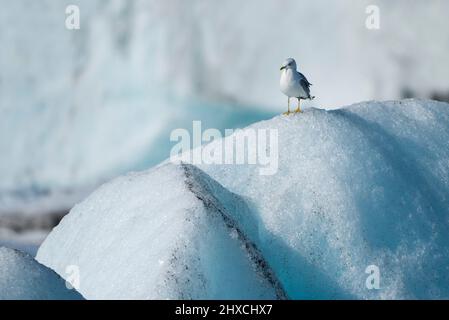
x=294, y=84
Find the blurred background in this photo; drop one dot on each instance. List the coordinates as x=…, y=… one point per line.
x=79, y=107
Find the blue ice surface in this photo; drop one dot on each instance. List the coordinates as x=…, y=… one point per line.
x=359, y=186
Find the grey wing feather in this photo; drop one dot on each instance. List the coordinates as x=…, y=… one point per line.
x=305, y=84
x=303, y=78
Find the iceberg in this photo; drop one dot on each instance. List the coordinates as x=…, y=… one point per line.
x=22, y=278
x=360, y=188
x=181, y=242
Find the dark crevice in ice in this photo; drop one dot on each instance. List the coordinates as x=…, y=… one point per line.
x=214, y=204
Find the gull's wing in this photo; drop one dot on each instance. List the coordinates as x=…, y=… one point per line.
x=304, y=83
x=303, y=78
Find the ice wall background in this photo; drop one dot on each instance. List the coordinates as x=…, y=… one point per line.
x=78, y=107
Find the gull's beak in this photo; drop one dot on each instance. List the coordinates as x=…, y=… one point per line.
x=282, y=68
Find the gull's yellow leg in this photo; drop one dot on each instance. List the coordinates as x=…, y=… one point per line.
x=299, y=106
x=288, y=106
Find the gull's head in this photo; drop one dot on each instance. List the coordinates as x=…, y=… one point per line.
x=289, y=63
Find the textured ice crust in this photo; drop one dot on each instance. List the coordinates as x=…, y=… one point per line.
x=367, y=184
x=359, y=186
x=161, y=234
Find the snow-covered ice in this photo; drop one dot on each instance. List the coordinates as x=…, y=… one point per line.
x=157, y=235
x=23, y=278
x=363, y=185
x=359, y=186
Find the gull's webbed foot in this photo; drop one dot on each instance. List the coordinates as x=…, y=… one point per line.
x=298, y=110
